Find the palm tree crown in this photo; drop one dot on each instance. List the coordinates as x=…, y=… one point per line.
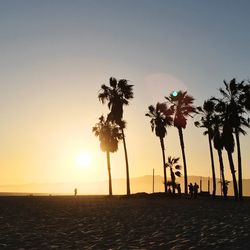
x=161, y=116
x=183, y=107
x=174, y=167
x=108, y=133
x=116, y=95
x=234, y=104
x=206, y=116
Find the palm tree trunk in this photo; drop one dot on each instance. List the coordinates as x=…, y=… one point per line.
x=109, y=173
x=239, y=164
x=164, y=164
x=126, y=160
x=231, y=163
x=184, y=160
x=222, y=173
x=212, y=164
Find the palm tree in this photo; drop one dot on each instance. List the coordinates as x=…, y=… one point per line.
x=234, y=97
x=161, y=117
x=117, y=95
x=183, y=107
x=109, y=136
x=228, y=142
x=174, y=170
x=223, y=121
x=206, y=112
x=218, y=145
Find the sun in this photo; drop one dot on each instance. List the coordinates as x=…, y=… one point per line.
x=83, y=159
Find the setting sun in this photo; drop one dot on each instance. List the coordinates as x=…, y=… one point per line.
x=83, y=159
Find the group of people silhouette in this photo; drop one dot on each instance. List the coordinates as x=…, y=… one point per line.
x=193, y=190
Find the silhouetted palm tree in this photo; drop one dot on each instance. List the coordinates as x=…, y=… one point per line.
x=224, y=123
x=117, y=95
x=206, y=112
x=174, y=170
x=228, y=142
x=161, y=117
x=218, y=145
x=109, y=136
x=217, y=126
x=183, y=107
x=234, y=97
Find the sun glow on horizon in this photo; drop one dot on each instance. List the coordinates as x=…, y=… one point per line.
x=83, y=159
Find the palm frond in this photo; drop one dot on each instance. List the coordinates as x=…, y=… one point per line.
x=224, y=93
x=200, y=109
x=197, y=124
x=178, y=173
x=151, y=109
x=112, y=82
x=205, y=132
x=178, y=167
x=175, y=160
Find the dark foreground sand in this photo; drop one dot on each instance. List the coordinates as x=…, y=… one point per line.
x=136, y=223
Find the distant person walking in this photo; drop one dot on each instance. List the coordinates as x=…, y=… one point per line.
x=196, y=188
x=75, y=191
x=191, y=189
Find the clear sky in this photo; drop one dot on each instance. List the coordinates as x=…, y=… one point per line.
x=54, y=56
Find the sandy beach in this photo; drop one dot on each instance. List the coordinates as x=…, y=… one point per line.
x=118, y=223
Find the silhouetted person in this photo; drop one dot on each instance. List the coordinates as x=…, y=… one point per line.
x=196, y=188
x=75, y=191
x=191, y=189
x=179, y=188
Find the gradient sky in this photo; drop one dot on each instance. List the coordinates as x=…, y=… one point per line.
x=56, y=54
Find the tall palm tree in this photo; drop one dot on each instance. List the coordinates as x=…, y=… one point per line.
x=161, y=117
x=218, y=145
x=226, y=138
x=117, y=95
x=109, y=136
x=175, y=168
x=206, y=112
x=228, y=141
x=234, y=97
x=183, y=107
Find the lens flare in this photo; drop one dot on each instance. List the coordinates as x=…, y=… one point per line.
x=174, y=93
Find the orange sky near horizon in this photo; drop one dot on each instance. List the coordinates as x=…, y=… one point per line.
x=43, y=144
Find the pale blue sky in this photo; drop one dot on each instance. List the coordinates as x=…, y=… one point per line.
x=56, y=54
x=201, y=42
